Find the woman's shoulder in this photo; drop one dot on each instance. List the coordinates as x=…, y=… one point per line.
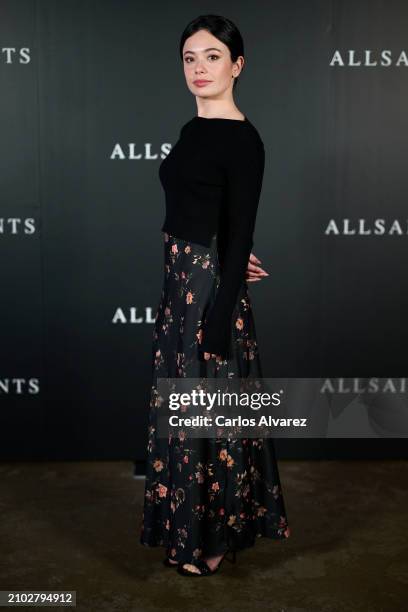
x=252, y=132
x=244, y=139
x=239, y=133
x=232, y=137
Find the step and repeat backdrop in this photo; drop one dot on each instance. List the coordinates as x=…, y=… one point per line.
x=92, y=98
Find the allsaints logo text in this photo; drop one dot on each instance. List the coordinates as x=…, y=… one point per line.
x=131, y=316
x=11, y=55
x=363, y=227
x=368, y=58
x=131, y=151
x=15, y=225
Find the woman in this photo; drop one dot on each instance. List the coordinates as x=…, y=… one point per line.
x=205, y=497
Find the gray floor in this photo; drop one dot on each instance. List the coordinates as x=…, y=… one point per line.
x=75, y=526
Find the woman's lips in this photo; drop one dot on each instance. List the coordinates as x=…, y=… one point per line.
x=201, y=83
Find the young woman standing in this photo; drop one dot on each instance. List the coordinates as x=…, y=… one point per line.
x=205, y=497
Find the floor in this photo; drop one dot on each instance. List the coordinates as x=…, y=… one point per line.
x=75, y=526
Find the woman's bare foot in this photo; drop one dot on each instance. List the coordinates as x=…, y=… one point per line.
x=212, y=563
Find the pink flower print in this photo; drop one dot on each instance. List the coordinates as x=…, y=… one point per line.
x=158, y=465
x=199, y=335
x=239, y=324
x=223, y=454
x=215, y=486
x=174, y=249
x=205, y=264
x=185, y=458
x=162, y=490
x=189, y=298
x=230, y=461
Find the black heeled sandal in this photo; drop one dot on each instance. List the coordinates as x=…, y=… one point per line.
x=233, y=555
x=167, y=563
x=205, y=570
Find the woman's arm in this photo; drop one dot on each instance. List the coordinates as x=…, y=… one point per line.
x=244, y=170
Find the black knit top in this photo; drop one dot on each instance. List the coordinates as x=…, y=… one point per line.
x=212, y=180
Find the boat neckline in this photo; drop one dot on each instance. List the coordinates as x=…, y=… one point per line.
x=245, y=120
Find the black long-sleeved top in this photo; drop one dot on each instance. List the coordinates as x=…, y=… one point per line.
x=212, y=178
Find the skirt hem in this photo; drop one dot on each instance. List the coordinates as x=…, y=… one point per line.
x=276, y=535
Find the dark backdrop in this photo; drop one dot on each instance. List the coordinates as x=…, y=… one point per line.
x=91, y=94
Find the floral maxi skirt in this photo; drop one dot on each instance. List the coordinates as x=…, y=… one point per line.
x=204, y=496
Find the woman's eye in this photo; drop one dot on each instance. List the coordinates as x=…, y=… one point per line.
x=210, y=56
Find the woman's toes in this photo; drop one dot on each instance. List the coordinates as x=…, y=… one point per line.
x=191, y=568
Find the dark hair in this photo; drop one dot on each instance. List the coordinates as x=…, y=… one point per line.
x=220, y=27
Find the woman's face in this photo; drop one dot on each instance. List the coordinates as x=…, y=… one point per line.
x=208, y=67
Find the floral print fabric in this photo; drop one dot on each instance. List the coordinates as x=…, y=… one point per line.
x=205, y=495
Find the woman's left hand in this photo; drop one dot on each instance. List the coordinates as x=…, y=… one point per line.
x=254, y=272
